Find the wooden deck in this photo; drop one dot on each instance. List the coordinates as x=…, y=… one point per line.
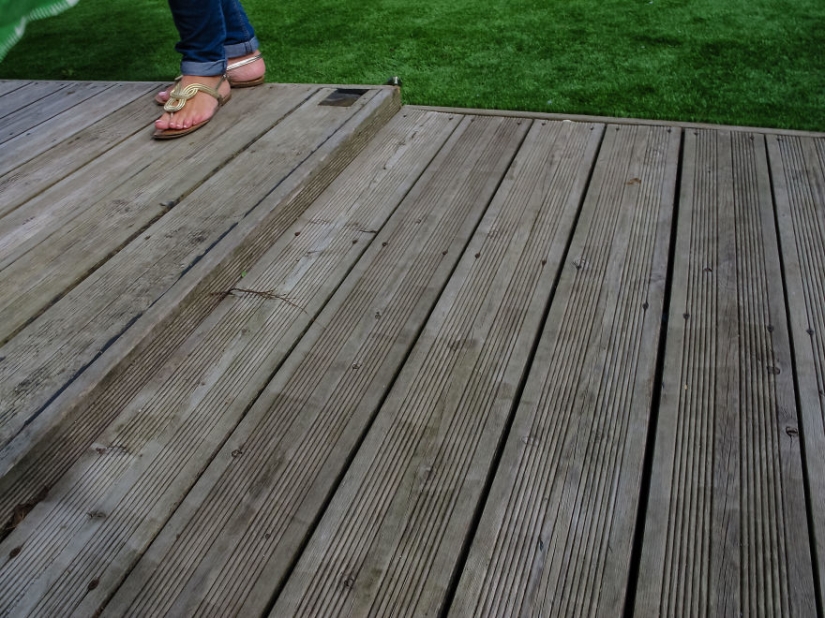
x=333, y=356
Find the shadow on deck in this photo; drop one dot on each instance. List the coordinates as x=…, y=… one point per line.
x=334, y=356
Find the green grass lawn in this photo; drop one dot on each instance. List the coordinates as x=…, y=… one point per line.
x=760, y=62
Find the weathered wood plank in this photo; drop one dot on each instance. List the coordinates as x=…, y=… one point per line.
x=726, y=531
x=390, y=540
x=304, y=427
x=614, y=120
x=47, y=355
x=556, y=535
x=49, y=444
x=7, y=86
x=123, y=176
x=44, y=108
x=148, y=459
x=51, y=132
x=27, y=94
x=25, y=181
x=150, y=414
x=798, y=173
x=54, y=241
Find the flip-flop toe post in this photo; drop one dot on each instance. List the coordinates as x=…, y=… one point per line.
x=177, y=101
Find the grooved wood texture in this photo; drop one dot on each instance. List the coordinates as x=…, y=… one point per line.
x=798, y=166
x=47, y=132
x=111, y=504
x=47, y=446
x=556, y=537
x=374, y=360
x=38, y=107
x=60, y=151
x=18, y=94
x=255, y=505
x=34, y=368
x=390, y=540
x=726, y=530
x=69, y=230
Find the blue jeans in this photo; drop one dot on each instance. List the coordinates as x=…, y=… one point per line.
x=210, y=32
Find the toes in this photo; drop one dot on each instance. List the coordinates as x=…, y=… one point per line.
x=168, y=121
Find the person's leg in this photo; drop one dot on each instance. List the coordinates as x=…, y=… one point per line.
x=245, y=66
x=239, y=38
x=202, y=30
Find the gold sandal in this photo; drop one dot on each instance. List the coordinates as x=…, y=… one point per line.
x=235, y=83
x=177, y=100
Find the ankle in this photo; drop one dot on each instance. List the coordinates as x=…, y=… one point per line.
x=249, y=66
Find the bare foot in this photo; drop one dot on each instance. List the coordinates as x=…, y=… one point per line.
x=246, y=73
x=198, y=109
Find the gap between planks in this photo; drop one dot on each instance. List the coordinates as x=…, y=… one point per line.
x=557, y=532
x=726, y=529
x=394, y=528
x=302, y=431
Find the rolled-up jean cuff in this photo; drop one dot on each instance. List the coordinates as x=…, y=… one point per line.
x=203, y=69
x=241, y=49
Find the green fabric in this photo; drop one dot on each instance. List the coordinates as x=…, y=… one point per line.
x=15, y=14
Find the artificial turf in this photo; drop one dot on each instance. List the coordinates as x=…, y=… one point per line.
x=758, y=63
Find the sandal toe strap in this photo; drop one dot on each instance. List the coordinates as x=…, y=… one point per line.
x=179, y=96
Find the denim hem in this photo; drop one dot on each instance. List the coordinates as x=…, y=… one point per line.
x=203, y=69
x=242, y=49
